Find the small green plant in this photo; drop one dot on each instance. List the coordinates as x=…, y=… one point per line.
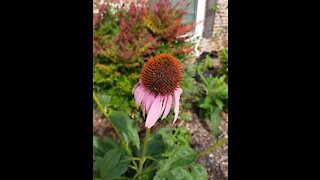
x=223, y=70
x=216, y=93
x=212, y=105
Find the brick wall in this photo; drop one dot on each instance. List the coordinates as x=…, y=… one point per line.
x=219, y=38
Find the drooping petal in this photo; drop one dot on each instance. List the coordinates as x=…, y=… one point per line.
x=176, y=97
x=167, y=106
x=146, y=102
x=138, y=95
x=149, y=102
x=143, y=108
x=154, y=112
x=134, y=87
x=163, y=104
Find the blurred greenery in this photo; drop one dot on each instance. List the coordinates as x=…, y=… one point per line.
x=121, y=48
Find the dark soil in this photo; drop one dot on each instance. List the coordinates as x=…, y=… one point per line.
x=215, y=162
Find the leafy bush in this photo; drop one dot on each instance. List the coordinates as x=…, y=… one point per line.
x=215, y=91
x=211, y=105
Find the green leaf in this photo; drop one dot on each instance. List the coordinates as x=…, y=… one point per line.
x=113, y=164
x=185, y=160
x=208, y=62
x=104, y=99
x=207, y=103
x=156, y=148
x=121, y=167
x=198, y=172
x=96, y=167
x=214, y=7
x=176, y=174
x=219, y=103
x=126, y=127
x=182, y=136
x=166, y=135
x=194, y=172
x=182, y=156
x=215, y=120
x=103, y=145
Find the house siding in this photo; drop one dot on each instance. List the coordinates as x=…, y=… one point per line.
x=219, y=37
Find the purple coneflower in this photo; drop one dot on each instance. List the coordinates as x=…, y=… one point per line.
x=158, y=86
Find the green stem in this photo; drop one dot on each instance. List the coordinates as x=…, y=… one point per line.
x=143, y=154
x=212, y=148
x=148, y=170
x=123, y=143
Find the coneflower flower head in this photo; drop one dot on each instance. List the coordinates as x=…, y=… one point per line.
x=158, y=88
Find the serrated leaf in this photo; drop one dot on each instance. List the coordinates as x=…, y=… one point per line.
x=198, y=172
x=126, y=127
x=176, y=174
x=195, y=172
x=113, y=164
x=120, y=168
x=103, y=145
x=182, y=156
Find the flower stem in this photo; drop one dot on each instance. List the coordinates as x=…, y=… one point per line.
x=123, y=143
x=143, y=154
x=212, y=148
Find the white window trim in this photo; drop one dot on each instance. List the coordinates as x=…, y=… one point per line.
x=201, y=9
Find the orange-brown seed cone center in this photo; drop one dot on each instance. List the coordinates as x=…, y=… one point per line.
x=161, y=74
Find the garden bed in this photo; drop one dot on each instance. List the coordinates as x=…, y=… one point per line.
x=216, y=162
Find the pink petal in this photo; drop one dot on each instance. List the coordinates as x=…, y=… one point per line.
x=146, y=103
x=134, y=87
x=138, y=95
x=154, y=112
x=149, y=102
x=163, y=104
x=143, y=110
x=167, y=106
x=176, y=95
